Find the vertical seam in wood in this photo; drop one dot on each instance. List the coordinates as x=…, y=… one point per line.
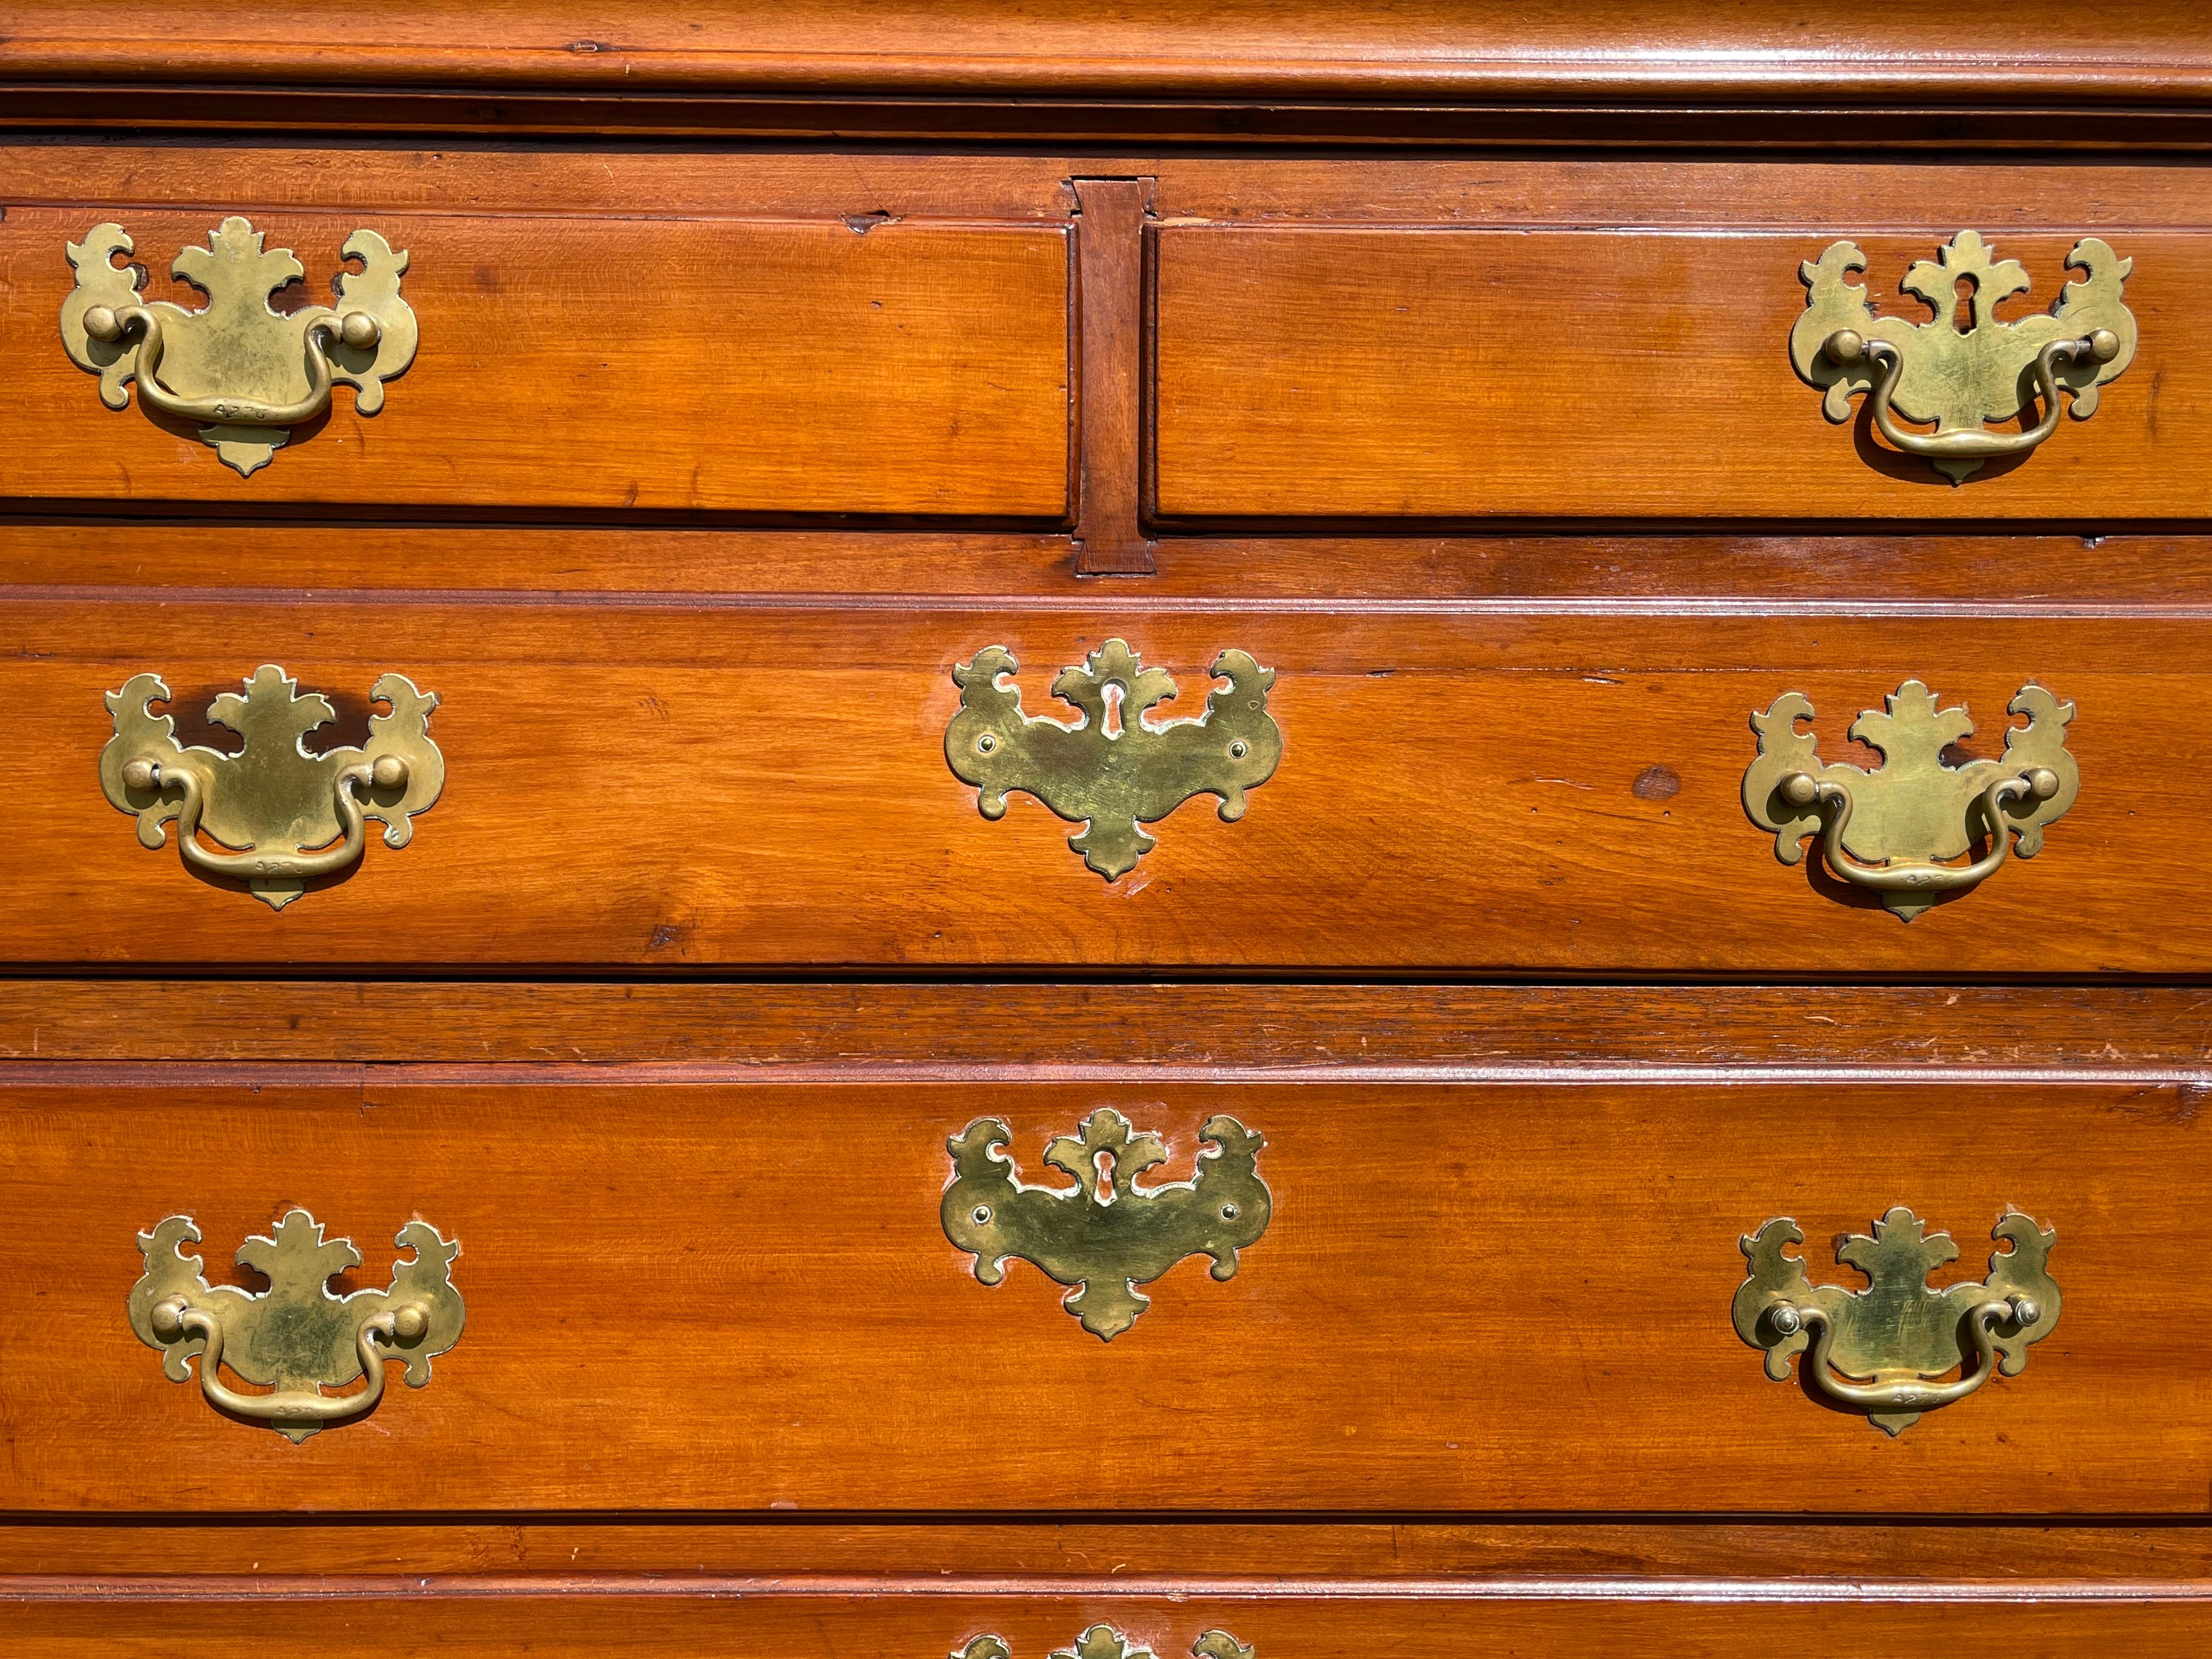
x=1111, y=373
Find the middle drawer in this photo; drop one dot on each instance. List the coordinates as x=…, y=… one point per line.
x=734, y=1293
x=793, y=780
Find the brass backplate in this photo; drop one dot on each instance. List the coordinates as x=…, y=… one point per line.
x=272, y=797
x=1959, y=379
x=246, y=373
x=1105, y=1236
x=1104, y=1642
x=1916, y=809
x=1897, y=1332
x=1113, y=769
x=294, y=1338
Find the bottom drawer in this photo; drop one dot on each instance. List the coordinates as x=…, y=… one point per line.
x=1454, y=1290
x=853, y=1623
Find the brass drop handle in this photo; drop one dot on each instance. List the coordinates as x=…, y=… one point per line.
x=176, y=1318
x=357, y=328
x=1911, y=1394
x=387, y=772
x=1847, y=347
x=2038, y=783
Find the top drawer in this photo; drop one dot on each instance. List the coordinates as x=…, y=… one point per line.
x=1438, y=374
x=754, y=355
x=1354, y=342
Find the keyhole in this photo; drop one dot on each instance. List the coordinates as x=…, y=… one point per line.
x=1962, y=304
x=1102, y=1163
x=1113, y=722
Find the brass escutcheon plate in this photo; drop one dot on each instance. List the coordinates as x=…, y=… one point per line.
x=273, y=799
x=1881, y=1350
x=1105, y=1236
x=1112, y=770
x=1890, y=829
x=243, y=372
x=1959, y=380
x=295, y=1337
x=1104, y=1642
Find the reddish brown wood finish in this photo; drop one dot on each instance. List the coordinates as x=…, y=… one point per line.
x=725, y=1386
x=1455, y=374
x=218, y=1555
x=724, y=364
x=1617, y=573
x=675, y=786
x=1189, y=1031
x=856, y=1625
x=2041, y=51
x=1694, y=191
x=924, y=371
x=1110, y=246
x=735, y=1297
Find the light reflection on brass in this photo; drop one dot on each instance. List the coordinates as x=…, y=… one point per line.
x=1112, y=779
x=1104, y=1642
x=1890, y=830
x=1932, y=371
x=248, y=373
x=272, y=798
x=1881, y=1350
x=295, y=1336
x=1106, y=1235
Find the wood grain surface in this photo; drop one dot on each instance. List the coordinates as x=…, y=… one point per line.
x=1895, y=575
x=1195, y=1031
x=2040, y=51
x=241, y=1556
x=862, y=1626
x=897, y=347
x=1448, y=375
x=729, y=1297
x=1782, y=191
x=716, y=363
x=686, y=785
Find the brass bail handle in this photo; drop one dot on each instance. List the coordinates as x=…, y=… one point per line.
x=358, y=329
x=387, y=772
x=1847, y=347
x=176, y=1318
x=1908, y=1395
x=1801, y=789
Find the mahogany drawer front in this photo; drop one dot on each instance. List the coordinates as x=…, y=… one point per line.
x=1435, y=341
x=720, y=1293
x=707, y=361
x=1432, y=373
x=677, y=784
x=669, y=1622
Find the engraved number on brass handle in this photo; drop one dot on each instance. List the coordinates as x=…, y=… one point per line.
x=295, y=1337
x=1914, y=1395
x=357, y=328
x=177, y=1318
x=1847, y=346
x=1885, y=1350
x=2038, y=783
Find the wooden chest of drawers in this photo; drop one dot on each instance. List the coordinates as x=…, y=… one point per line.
x=1483, y=725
